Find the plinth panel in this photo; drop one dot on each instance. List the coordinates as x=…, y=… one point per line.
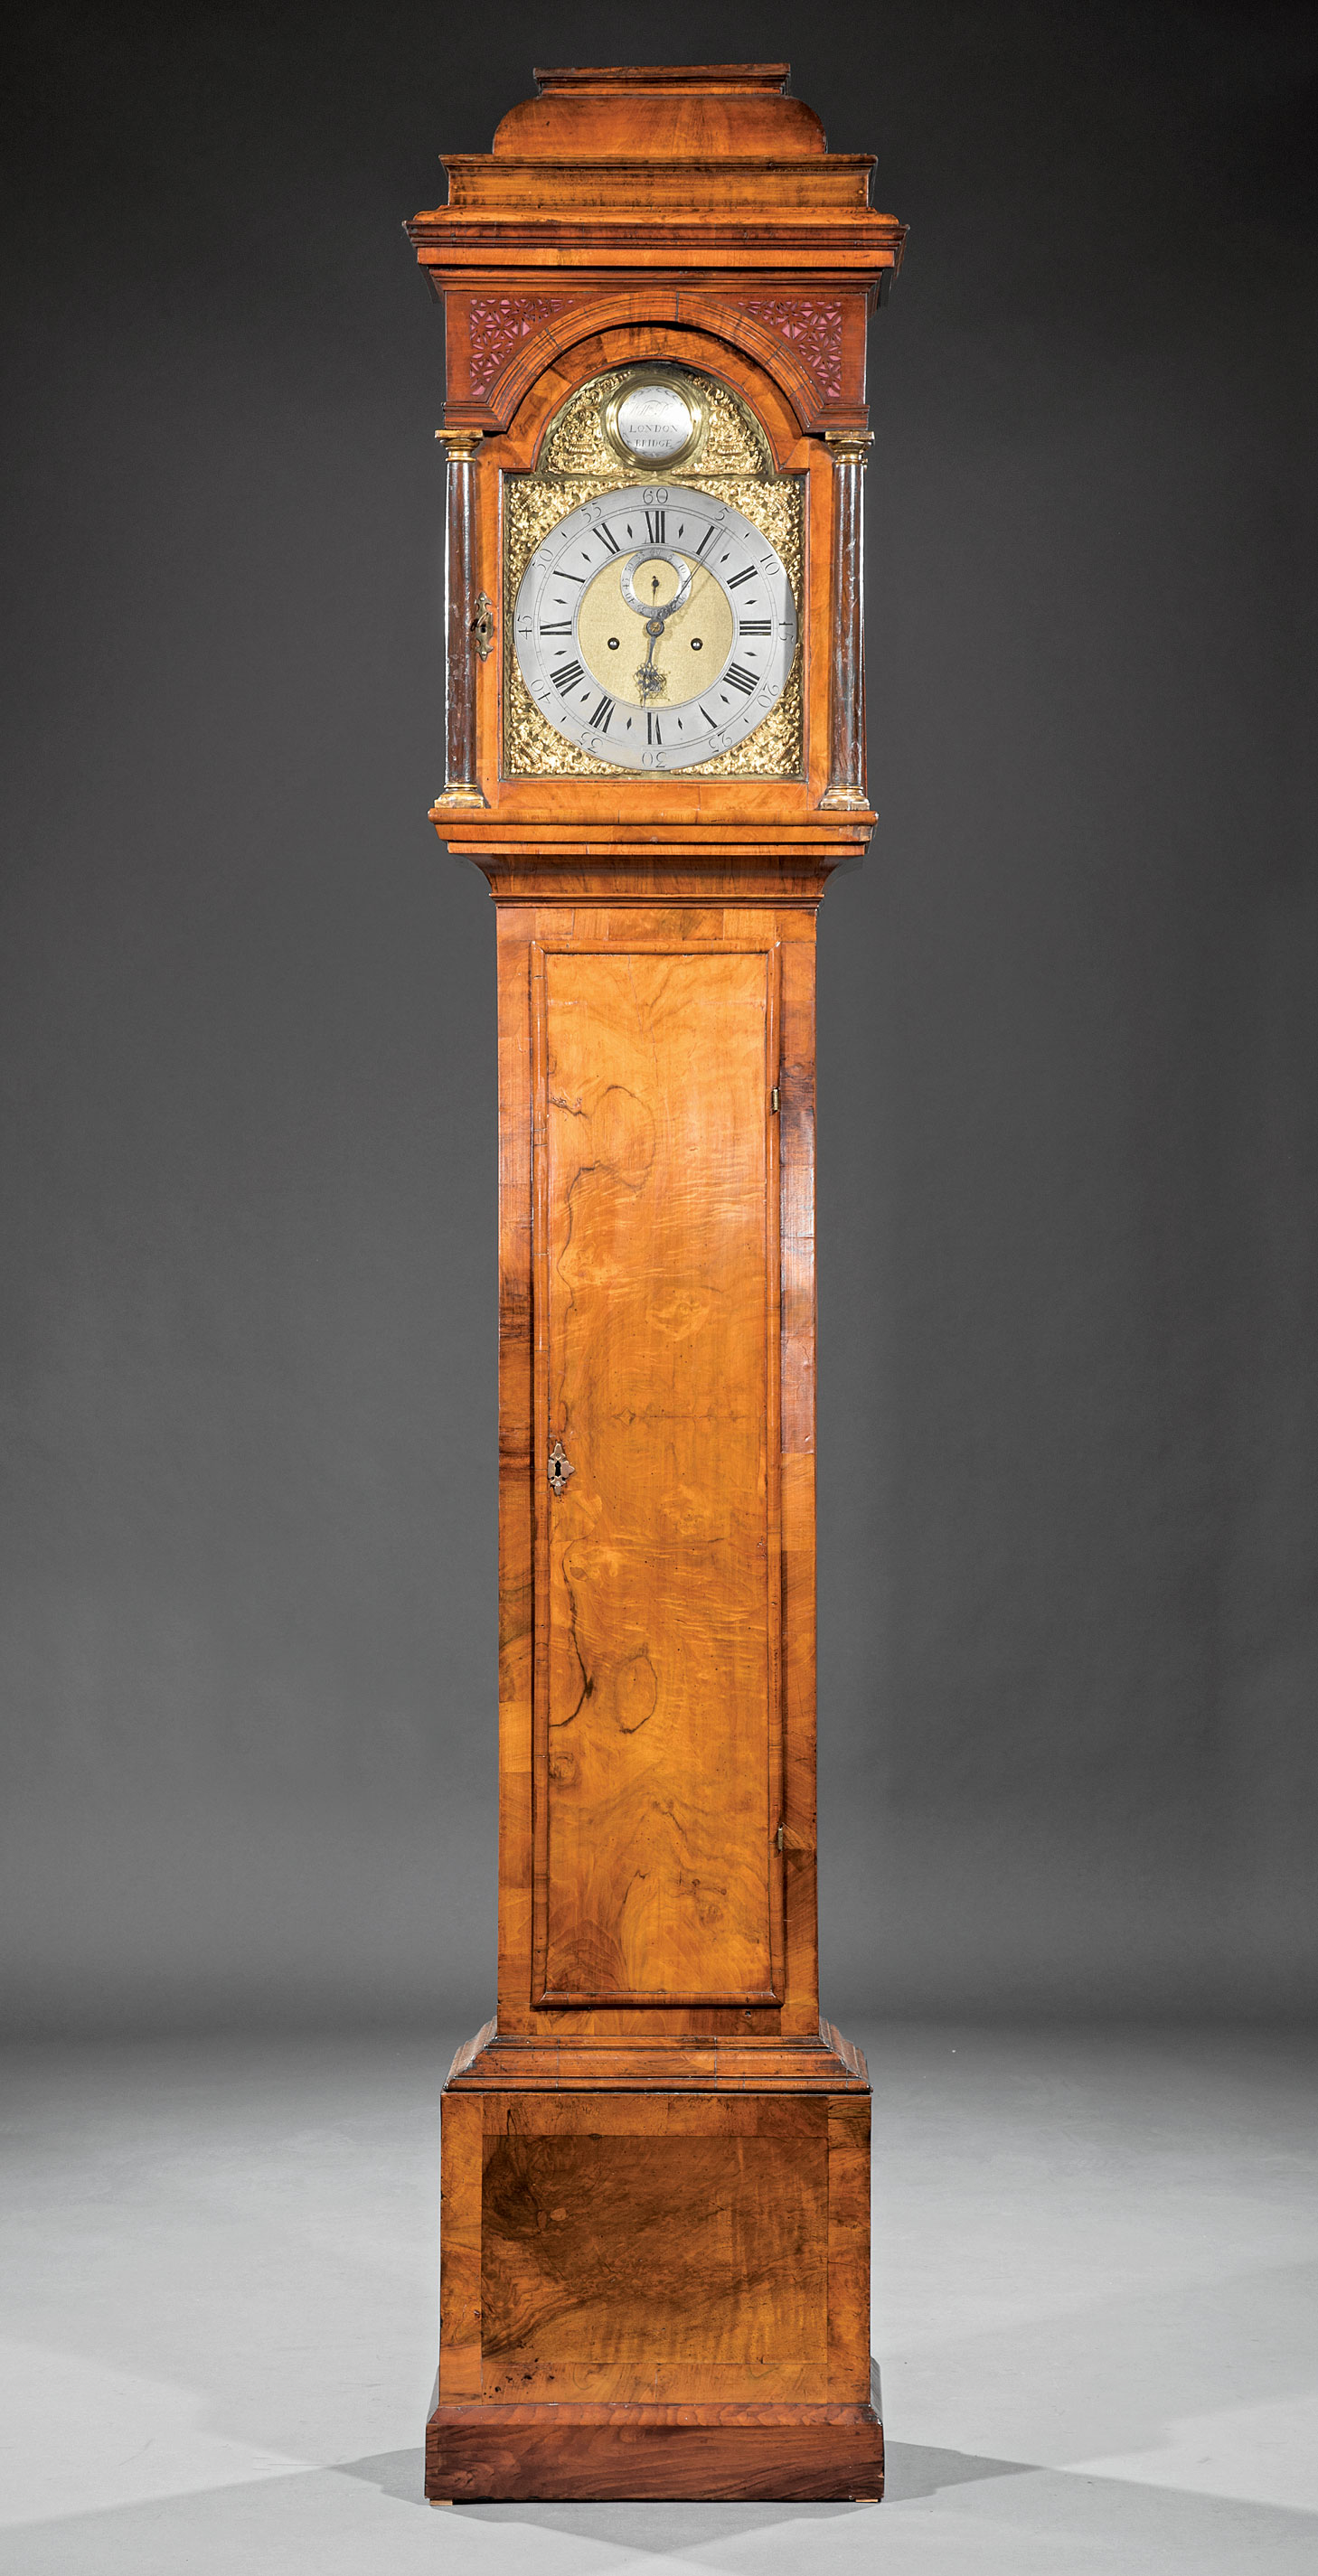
x=686, y=2266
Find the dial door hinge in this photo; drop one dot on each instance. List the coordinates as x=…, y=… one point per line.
x=773, y=1100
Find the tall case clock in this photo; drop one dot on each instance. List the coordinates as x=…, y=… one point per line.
x=655, y=2157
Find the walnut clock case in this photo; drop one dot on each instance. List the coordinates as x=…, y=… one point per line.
x=655, y=2158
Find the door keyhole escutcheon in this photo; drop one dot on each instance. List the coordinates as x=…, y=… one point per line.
x=560, y=1467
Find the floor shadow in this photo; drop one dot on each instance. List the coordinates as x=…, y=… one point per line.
x=395, y=2473
x=915, y=2469
x=664, y=2528
x=661, y=2527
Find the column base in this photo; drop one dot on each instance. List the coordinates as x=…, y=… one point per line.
x=845, y=800
x=481, y=2454
x=456, y=800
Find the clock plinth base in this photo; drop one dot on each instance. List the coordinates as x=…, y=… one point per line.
x=614, y=2454
x=655, y=2271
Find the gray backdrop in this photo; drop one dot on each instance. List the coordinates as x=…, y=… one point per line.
x=1068, y=1071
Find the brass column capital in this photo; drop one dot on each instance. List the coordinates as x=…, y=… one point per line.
x=461, y=444
x=849, y=446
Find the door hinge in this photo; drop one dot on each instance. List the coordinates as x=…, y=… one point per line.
x=780, y=1836
x=773, y=1100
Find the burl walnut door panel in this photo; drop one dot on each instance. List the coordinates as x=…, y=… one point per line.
x=658, y=1589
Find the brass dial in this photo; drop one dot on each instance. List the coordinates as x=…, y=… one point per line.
x=656, y=627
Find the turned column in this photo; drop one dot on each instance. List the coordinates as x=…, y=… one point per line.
x=846, y=767
x=468, y=623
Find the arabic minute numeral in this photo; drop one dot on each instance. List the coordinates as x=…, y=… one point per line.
x=567, y=678
x=739, y=679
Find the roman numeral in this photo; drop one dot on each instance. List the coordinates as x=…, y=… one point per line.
x=711, y=721
x=656, y=522
x=606, y=540
x=748, y=626
x=736, y=579
x=739, y=679
x=652, y=733
x=566, y=628
x=600, y=718
x=706, y=540
x=568, y=677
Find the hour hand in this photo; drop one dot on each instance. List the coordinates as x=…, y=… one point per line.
x=649, y=681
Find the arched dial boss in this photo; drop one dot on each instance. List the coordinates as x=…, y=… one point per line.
x=655, y=626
